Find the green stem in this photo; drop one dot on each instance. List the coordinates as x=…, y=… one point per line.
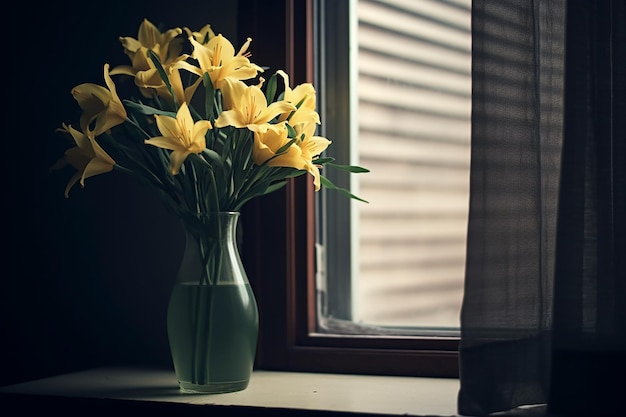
x=138, y=127
x=207, y=364
x=210, y=246
x=202, y=343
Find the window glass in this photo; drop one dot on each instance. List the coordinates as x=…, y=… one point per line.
x=394, y=91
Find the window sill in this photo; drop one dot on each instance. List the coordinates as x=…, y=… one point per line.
x=269, y=393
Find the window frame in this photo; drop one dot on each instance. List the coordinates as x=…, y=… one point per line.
x=279, y=241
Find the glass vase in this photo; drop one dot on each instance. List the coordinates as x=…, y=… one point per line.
x=212, y=316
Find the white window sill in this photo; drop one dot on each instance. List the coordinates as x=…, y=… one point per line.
x=268, y=390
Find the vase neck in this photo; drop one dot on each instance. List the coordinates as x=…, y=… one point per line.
x=211, y=254
x=210, y=224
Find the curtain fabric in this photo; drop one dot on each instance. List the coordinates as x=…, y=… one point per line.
x=543, y=320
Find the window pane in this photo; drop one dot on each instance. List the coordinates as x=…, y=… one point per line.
x=403, y=262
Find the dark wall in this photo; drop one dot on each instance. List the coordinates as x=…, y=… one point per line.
x=85, y=280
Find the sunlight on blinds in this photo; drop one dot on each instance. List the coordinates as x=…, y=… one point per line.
x=414, y=105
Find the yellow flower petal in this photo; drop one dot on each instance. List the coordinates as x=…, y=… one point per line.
x=303, y=95
x=87, y=157
x=246, y=106
x=203, y=35
x=312, y=146
x=102, y=108
x=180, y=135
x=267, y=144
x=218, y=59
x=177, y=158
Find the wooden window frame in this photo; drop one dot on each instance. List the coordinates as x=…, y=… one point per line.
x=279, y=238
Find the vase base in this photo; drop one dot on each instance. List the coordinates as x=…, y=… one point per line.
x=212, y=388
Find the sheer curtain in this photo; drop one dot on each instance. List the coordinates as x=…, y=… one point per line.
x=543, y=321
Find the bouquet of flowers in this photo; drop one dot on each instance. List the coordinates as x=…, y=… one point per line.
x=203, y=128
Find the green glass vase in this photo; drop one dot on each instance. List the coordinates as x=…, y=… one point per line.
x=212, y=316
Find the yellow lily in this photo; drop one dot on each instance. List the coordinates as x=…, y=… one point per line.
x=312, y=147
x=150, y=80
x=218, y=59
x=267, y=143
x=301, y=155
x=167, y=46
x=203, y=35
x=100, y=105
x=305, y=95
x=180, y=135
x=87, y=157
x=246, y=106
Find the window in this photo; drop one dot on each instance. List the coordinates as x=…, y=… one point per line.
x=283, y=226
x=398, y=261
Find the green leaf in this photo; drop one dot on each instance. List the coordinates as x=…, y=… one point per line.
x=194, y=113
x=270, y=91
x=295, y=173
x=328, y=184
x=212, y=157
x=157, y=63
x=209, y=99
x=147, y=110
x=322, y=161
x=291, y=133
x=284, y=148
x=274, y=187
x=349, y=168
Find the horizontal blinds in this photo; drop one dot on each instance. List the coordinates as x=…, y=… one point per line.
x=414, y=104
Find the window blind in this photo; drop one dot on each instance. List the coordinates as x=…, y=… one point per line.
x=414, y=108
